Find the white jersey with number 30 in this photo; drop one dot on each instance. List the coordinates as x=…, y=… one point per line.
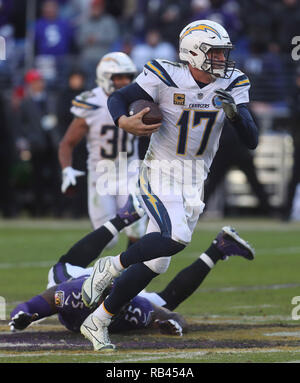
x=104, y=139
x=192, y=115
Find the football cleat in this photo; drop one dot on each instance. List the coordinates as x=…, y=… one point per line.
x=131, y=211
x=104, y=272
x=169, y=327
x=230, y=244
x=96, y=331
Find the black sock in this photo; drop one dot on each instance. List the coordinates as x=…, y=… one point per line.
x=90, y=247
x=184, y=284
x=128, y=285
x=150, y=246
x=189, y=279
x=214, y=253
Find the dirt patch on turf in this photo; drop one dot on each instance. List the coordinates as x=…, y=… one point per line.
x=64, y=340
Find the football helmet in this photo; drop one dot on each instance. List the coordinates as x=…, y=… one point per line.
x=195, y=41
x=110, y=65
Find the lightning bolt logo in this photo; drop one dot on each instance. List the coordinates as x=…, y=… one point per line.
x=201, y=27
x=149, y=196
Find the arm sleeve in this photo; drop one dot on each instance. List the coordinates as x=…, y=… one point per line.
x=118, y=103
x=245, y=127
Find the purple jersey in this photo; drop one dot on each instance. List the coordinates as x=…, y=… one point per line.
x=72, y=311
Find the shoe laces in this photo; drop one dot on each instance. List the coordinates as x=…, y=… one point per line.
x=102, y=283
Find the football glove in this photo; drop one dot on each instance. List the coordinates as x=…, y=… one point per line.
x=228, y=103
x=22, y=320
x=69, y=176
x=169, y=327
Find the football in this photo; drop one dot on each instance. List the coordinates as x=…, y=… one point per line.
x=154, y=116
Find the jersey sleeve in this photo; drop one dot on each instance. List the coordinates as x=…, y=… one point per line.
x=84, y=105
x=154, y=76
x=149, y=83
x=239, y=89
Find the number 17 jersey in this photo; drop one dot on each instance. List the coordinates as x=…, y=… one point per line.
x=193, y=117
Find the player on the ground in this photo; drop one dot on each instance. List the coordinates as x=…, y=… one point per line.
x=104, y=140
x=65, y=300
x=143, y=311
x=195, y=98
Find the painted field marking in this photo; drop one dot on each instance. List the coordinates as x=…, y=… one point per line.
x=142, y=357
x=26, y=265
x=207, y=318
x=295, y=334
x=253, y=306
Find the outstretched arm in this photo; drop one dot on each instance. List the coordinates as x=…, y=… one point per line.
x=168, y=322
x=36, y=308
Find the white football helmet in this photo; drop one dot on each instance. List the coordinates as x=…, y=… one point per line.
x=111, y=64
x=197, y=38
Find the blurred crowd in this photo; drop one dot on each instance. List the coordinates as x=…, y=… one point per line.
x=53, y=47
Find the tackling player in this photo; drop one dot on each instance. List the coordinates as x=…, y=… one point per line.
x=195, y=98
x=63, y=296
x=104, y=140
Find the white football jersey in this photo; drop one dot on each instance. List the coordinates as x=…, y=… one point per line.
x=192, y=116
x=104, y=139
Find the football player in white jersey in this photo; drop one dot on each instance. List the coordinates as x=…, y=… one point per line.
x=104, y=140
x=195, y=98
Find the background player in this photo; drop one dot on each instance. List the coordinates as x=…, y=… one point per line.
x=104, y=140
x=195, y=98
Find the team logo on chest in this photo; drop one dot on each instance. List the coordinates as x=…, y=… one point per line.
x=179, y=99
x=217, y=102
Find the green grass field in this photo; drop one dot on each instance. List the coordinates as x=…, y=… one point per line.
x=241, y=313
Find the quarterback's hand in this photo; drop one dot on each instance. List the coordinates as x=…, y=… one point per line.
x=135, y=125
x=69, y=177
x=22, y=320
x=228, y=103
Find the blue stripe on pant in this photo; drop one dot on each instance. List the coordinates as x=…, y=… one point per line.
x=155, y=206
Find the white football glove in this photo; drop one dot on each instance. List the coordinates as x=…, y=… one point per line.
x=228, y=103
x=69, y=177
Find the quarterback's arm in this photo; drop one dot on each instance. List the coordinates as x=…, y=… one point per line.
x=118, y=104
x=238, y=114
x=245, y=126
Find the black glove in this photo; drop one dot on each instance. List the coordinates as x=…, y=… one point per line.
x=22, y=320
x=228, y=103
x=169, y=327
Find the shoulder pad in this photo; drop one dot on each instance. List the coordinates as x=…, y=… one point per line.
x=158, y=67
x=240, y=80
x=86, y=100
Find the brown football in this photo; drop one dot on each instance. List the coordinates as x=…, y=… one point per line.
x=154, y=116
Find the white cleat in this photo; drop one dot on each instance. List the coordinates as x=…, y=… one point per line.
x=96, y=331
x=103, y=274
